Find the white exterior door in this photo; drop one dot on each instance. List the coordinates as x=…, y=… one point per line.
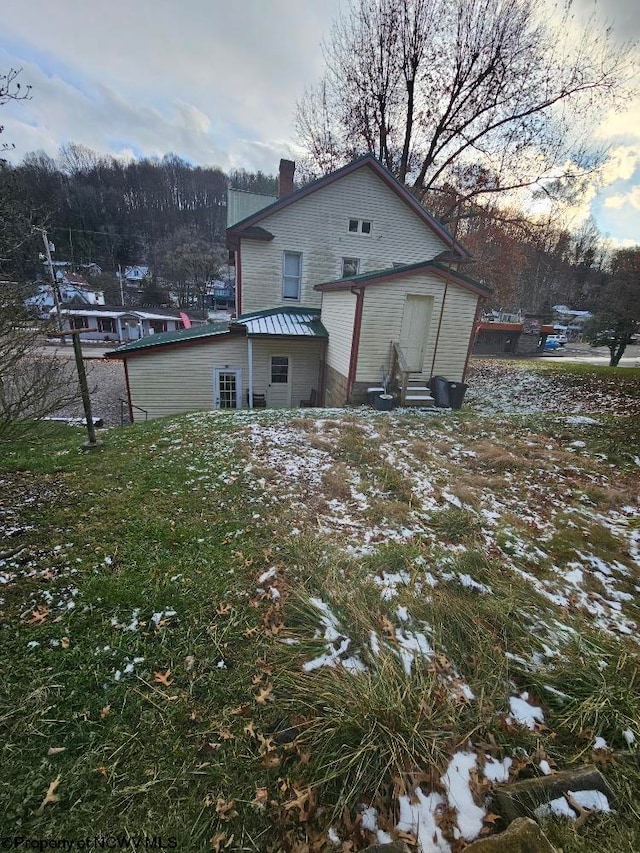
x=279, y=386
x=414, y=330
x=227, y=388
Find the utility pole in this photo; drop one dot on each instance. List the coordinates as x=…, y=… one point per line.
x=54, y=283
x=121, y=285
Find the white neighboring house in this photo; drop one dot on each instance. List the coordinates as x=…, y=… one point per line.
x=71, y=288
x=136, y=273
x=337, y=283
x=119, y=324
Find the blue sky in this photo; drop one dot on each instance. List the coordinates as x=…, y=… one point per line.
x=217, y=82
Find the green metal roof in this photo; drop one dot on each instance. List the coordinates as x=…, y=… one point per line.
x=209, y=330
x=425, y=266
x=284, y=321
x=281, y=322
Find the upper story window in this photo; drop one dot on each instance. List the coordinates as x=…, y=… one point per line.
x=350, y=267
x=158, y=326
x=291, y=275
x=360, y=226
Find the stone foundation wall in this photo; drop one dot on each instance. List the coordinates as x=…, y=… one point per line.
x=336, y=390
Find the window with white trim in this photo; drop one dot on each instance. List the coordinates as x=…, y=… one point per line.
x=360, y=226
x=279, y=369
x=291, y=275
x=107, y=324
x=350, y=267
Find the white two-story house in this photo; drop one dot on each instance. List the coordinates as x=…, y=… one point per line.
x=338, y=282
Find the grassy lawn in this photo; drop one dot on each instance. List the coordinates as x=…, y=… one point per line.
x=290, y=630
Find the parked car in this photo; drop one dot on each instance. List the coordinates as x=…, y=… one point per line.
x=560, y=339
x=551, y=344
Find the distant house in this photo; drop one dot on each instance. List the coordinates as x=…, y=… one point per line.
x=137, y=273
x=116, y=323
x=570, y=321
x=72, y=288
x=338, y=282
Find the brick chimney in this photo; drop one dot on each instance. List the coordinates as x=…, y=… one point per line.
x=285, y=178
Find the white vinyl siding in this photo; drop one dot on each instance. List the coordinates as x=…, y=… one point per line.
x=457, y=328
x=304, y=365
x=338, y=314
x=181, y=379
x=382, y=321
x=317, y=227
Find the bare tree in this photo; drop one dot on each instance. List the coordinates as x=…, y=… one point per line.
x=480, y=95
x=32, y=385
x=11, y=90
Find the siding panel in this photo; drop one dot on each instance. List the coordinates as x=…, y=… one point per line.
x=304, y=364
x=317, y=226
x=181, y=380
x=382, y=320
x=338, y=314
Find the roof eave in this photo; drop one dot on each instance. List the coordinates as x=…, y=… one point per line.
x=386, y=176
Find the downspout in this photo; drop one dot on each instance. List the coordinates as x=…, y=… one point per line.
x=238, y=280
x=250, y=357
x=435, y=349
x=322, y=374
x=126, y=380
x=355, y=340
x=472, y=337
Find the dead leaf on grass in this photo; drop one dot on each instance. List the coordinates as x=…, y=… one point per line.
x=162, y=677
x=261, y=797
x=64, y=642
x=249, y=729
x=56, y=750
x=224, y=609
x=265, y=695
x=226, y=810
x=270, y=760
x=50, y=796
x=39, y=615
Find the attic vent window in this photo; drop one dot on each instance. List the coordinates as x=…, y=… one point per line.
x=360, y=226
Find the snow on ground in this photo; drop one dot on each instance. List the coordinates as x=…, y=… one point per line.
x=542, y=505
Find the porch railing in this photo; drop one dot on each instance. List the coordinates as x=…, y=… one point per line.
x=124, y=406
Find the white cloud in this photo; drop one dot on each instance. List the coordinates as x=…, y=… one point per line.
x=196, y=79
x=631, y=198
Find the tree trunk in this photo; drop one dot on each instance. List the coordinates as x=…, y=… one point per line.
x=616, y=354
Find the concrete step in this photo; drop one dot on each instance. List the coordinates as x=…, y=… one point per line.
x=422, y=400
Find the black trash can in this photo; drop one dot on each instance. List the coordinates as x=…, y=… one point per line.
x=456, y=394
x=439, y=387
x=383, y=402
